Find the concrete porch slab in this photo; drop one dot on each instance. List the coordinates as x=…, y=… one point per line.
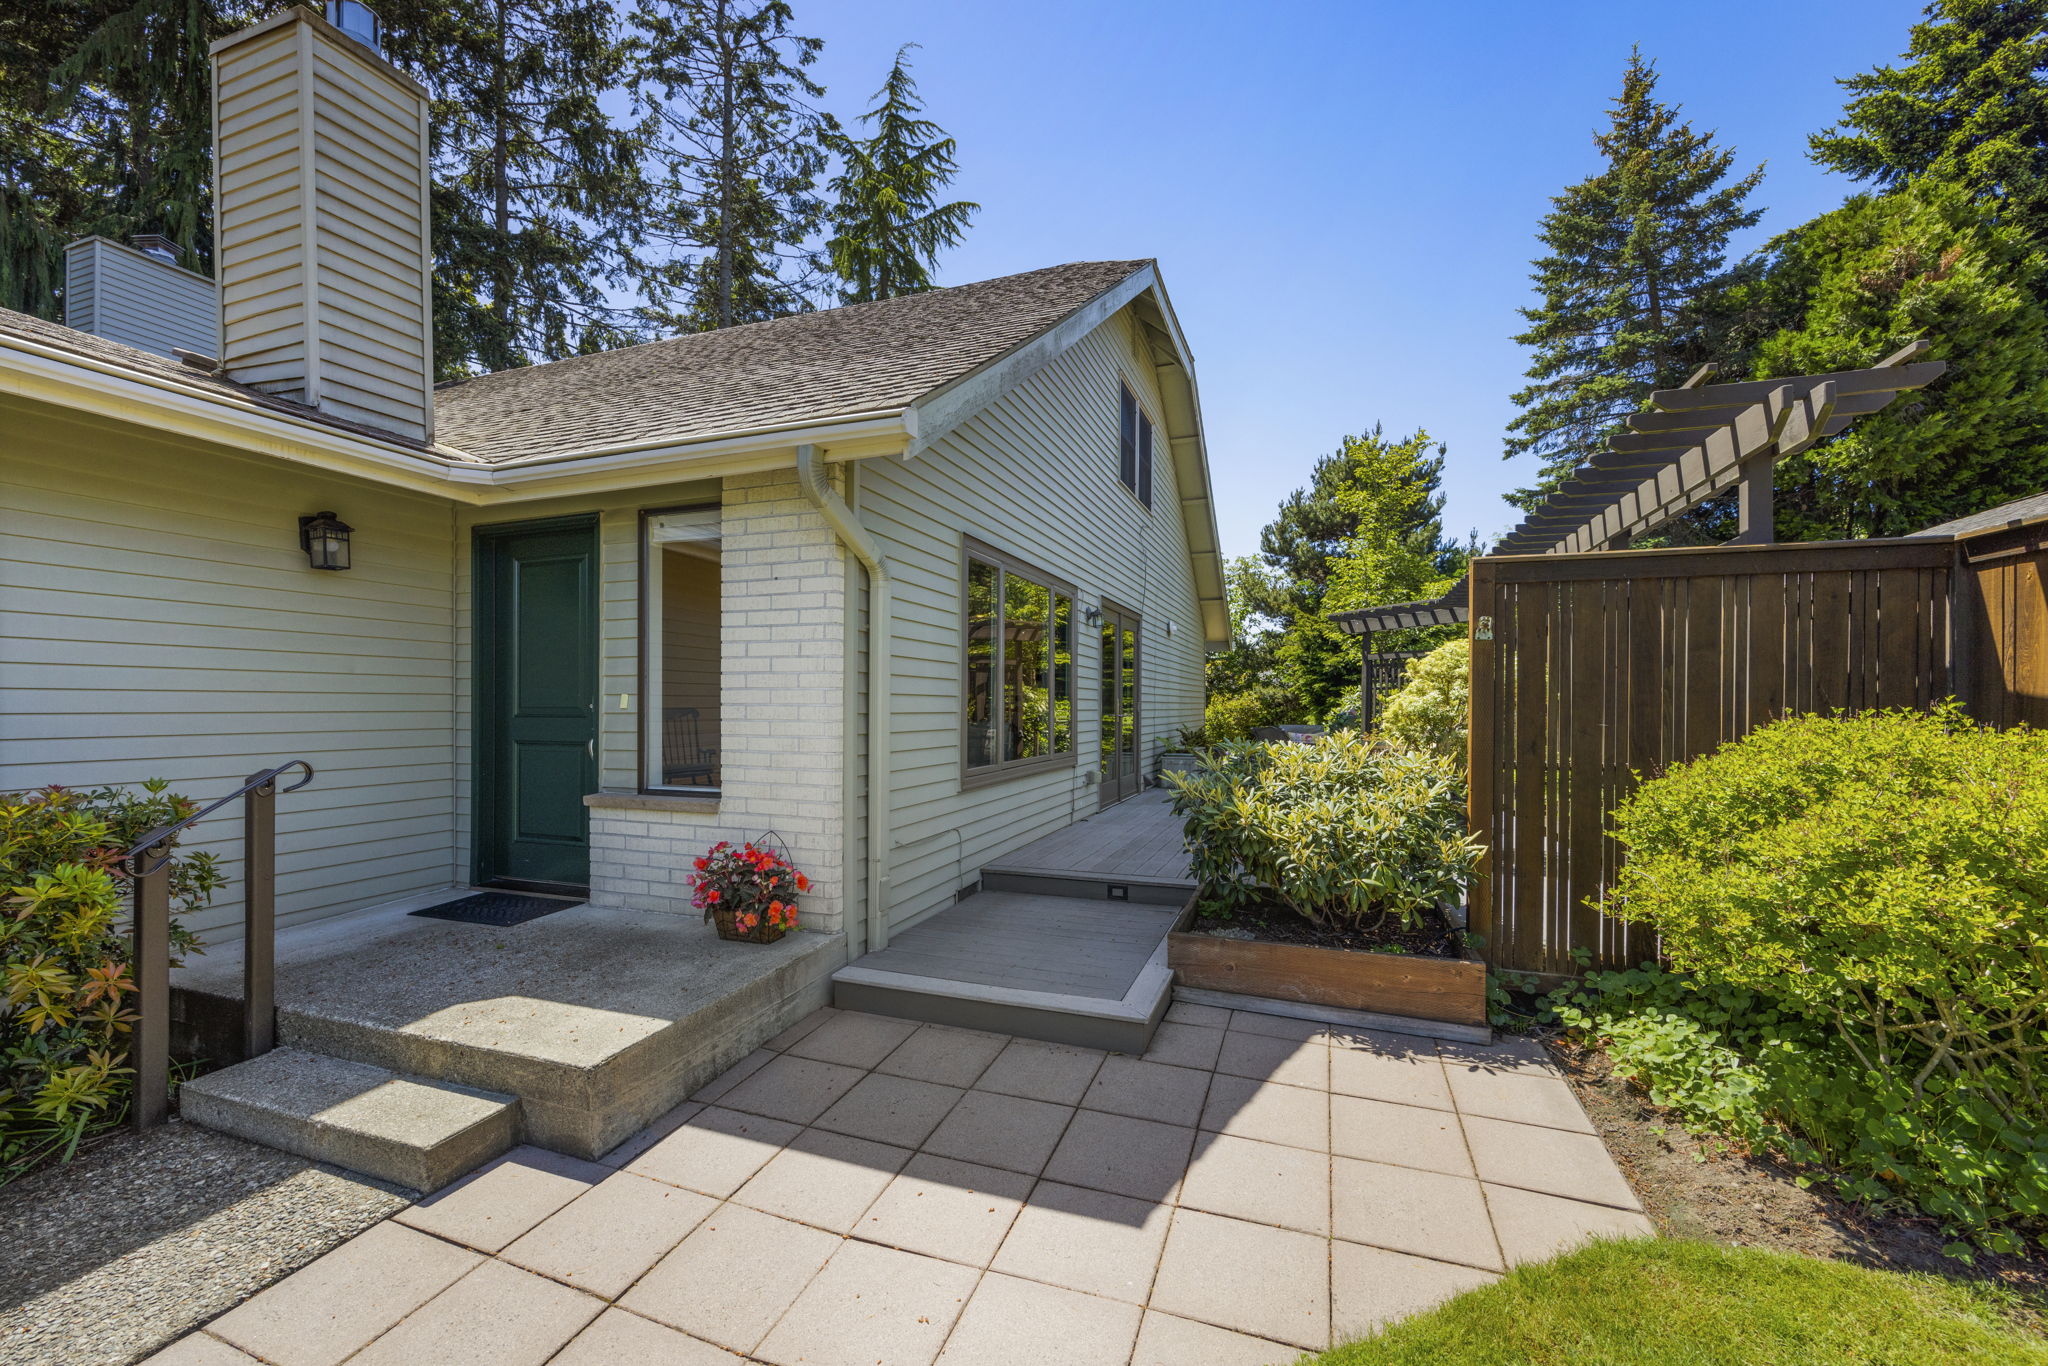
x=597, y=1019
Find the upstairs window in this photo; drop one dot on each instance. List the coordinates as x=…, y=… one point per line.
x=1019, y=667
x=1134, y=447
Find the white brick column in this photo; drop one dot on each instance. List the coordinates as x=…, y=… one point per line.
x=782, y=713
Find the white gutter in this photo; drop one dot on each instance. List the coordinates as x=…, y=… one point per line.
x=68, y=379
x=846, y=523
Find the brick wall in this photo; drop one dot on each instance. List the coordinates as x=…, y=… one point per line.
x=782, y=695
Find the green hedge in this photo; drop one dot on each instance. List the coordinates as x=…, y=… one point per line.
x=1855, y=915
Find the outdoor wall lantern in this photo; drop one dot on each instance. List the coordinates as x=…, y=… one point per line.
x=324, y=537
x=1092, y=614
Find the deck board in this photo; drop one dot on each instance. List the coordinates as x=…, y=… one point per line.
x=1137, y=839
x=1016, y=939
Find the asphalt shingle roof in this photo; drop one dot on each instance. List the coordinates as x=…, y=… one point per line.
x=808, y=367
x=150, y=364
x=2020, y=510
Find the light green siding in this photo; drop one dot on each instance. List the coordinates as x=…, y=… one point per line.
x=158, y=619
x=1035, y=475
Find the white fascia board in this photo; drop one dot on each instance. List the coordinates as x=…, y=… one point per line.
x=952, y=403
x=66, y=379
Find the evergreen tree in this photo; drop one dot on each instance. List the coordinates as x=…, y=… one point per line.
x=538, y=193
x=889, y=226
x=741, y=150
x=1634, y=254
x=1856, y=284
x=1366, y=531
x=1967, y=106
x=105, y=127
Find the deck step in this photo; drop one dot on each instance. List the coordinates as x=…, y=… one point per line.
x=1139, y=891
x=421, y=1134
x=1067, y=970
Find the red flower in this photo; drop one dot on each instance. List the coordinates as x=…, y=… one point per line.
x=702, y=864
x=803, y=884
x=712, y=896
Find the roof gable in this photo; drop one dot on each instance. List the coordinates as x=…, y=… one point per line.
x=805, y=368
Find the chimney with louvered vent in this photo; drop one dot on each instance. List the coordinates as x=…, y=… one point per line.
x=321, y=219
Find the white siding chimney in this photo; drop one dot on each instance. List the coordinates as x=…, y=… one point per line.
x=321, y=223
x=129, y=296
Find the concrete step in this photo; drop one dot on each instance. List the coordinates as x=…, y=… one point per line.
x=421, y=1134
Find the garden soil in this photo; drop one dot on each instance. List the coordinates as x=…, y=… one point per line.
x=1703, y=1188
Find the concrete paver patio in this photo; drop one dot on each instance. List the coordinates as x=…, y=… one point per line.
x=868, y=1190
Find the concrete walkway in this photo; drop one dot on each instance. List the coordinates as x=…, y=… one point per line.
x=867, y=1190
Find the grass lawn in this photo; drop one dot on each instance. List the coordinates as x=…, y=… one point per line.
x=1664, y=1302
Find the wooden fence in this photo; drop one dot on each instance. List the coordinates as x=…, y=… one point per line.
x=1590, y=671
x=2002, y=626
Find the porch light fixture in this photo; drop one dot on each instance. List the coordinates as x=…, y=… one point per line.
x=324, y=537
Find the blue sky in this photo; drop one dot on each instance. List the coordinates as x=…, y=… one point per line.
x=1342, y=197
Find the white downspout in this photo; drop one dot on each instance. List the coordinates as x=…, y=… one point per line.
x=810, y=477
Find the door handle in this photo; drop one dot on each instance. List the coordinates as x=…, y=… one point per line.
x=590, y=746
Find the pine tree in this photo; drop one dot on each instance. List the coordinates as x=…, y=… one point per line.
x=1926, y=262
x=1633, y=253
x=741, y=149
x=889, y=226
x=1967, y=106
x=1366, y=531
x=105, y=127
x=538, y=193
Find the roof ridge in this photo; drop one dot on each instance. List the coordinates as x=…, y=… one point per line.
x=787, y=318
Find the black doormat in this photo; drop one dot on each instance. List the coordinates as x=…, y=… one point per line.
x=496, y=908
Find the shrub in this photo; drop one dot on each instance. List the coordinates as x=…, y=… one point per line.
x=1432, y=710
x=1344, y=831
x=1857, y=910
x=64, y=957
x=1233, y=716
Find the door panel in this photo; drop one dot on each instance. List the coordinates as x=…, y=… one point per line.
x=1120, y=772
x=536, y=689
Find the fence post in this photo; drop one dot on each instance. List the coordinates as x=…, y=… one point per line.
x=149, y=1052
x=259, y=920
x=1479, y=765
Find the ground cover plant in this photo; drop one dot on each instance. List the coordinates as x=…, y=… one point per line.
x=1855, y=916
x=1668, y=1302
x=1347, y=833
x=64, y=958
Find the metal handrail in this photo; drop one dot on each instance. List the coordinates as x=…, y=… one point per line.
x=164, y=832
x=149, y=864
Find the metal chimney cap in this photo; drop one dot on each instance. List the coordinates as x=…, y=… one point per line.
x=358, y=21
x=155, y=244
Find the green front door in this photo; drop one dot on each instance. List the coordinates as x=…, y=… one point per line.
x=536, y=691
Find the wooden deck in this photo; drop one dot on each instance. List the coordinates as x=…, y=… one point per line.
x=1138, y=840
x=1068, y=945
x=1065, y=941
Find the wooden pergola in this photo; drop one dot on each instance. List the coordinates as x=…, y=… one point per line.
x=1693, y=444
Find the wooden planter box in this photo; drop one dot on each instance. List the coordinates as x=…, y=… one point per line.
x=1449, y=990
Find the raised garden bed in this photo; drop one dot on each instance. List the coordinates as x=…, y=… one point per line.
x=1287, y=959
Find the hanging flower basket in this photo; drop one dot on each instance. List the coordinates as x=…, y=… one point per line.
x=748, y=891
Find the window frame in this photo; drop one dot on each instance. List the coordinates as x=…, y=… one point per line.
x=973, y=549
x=641, y=720
x=1144, y=443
